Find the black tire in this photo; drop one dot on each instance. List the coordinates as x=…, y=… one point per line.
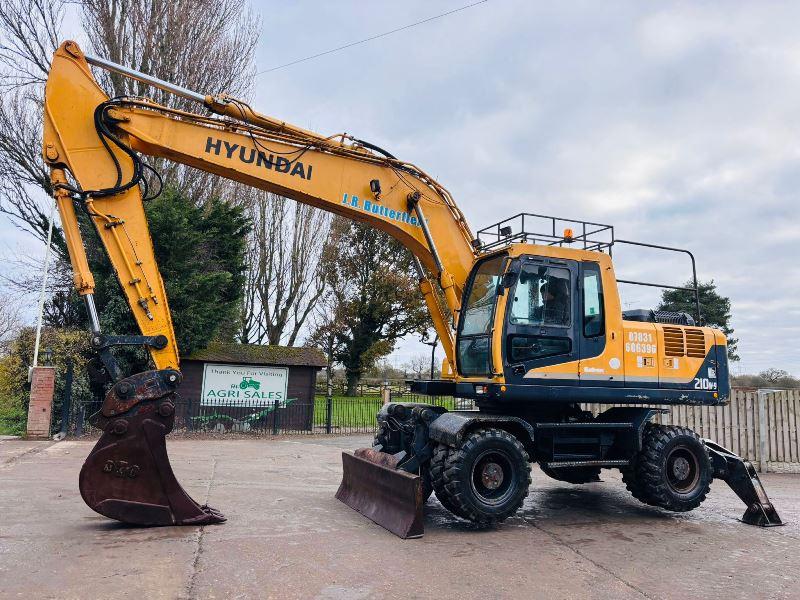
x=673, y=469
x=438, y=464
x=632, y=484
x=576, y=475
x=487, y=478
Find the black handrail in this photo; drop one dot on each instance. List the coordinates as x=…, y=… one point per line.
x=694, y=289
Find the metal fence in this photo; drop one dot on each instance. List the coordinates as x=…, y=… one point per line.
x=328, y=415
x=760, y=425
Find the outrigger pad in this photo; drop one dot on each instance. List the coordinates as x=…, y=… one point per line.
x=390, y=497
x=743, y=479
x=128, y=476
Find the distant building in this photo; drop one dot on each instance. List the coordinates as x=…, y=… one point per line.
x=240, y=386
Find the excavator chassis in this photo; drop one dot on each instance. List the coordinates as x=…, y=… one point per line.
x=389, y=483
x=128, y=476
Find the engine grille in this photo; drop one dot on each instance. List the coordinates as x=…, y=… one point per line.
x=673, y=341
x=695, y=343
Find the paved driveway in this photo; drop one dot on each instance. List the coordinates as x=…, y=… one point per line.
x=287, y=537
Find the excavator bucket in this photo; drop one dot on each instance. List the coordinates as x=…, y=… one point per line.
x=392, y=498
x=128, y=476
x=741, y=476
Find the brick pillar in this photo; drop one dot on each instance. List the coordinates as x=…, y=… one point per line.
x=43, y=386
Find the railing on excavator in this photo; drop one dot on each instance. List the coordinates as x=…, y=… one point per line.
x=547, y=230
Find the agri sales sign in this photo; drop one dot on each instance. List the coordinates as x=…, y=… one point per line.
x=243, y=385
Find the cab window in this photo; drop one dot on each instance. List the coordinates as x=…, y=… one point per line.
x=542, y=297
x=530, y=347
x=593, y=314
x=477, y=313
x=474, y=347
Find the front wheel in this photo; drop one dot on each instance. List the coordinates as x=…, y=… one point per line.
x=485, y=480
x=673, y=469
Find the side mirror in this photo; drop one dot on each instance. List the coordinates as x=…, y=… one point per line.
x=508, y=280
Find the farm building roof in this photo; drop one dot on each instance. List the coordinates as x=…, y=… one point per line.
x=256, y=354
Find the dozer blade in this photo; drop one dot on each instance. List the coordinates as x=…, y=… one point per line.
x=741, y=476
x=128, y=476
x=390, y=497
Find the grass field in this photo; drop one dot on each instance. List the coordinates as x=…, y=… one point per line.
x=355, y=412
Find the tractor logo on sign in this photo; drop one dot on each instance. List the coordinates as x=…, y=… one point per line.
x=249, y=382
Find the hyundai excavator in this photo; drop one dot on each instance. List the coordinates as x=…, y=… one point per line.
x=530, y=322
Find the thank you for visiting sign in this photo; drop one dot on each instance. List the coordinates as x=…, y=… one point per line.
x=243, y=385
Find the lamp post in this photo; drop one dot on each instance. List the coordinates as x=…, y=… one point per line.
x=47, y=357
x=433, y=345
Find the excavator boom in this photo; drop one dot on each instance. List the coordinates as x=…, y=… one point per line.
x=92, y=145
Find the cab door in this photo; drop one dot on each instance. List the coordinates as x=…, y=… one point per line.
x=596, y=368
x=541, y=330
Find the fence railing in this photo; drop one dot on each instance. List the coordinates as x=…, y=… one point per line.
x=761, y=426
x=340, y=414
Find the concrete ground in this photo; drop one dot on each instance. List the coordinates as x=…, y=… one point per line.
x=287, y=537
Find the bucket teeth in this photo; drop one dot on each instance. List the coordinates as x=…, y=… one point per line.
x=391, y=498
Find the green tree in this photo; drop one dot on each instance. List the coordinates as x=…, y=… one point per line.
x=715, y=310
x=200, y=251
x=376, y=300
x=67, y=345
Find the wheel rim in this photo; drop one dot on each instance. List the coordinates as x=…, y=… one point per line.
x=683, y=469
x=492, y=477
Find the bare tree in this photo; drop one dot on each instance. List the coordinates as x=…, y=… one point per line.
x=203, y=45
x=418, y=365
x=29, y=33
x=206, y=45
x=285, y=281
x=10, y=317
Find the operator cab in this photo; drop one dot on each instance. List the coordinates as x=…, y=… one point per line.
x=541, y=320
x=548, y=320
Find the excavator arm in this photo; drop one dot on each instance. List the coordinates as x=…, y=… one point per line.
x=96, y=142
x=93, y=144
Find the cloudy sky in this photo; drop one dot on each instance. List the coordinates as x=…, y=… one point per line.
x=678, y=123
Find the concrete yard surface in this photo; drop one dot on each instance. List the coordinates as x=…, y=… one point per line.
x=288, y=537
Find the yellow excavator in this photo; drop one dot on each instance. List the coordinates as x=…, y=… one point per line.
x=528, y=316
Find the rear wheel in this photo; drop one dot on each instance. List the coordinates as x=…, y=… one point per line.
x=673, y=469
x=485, y=480
x=575, y=475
